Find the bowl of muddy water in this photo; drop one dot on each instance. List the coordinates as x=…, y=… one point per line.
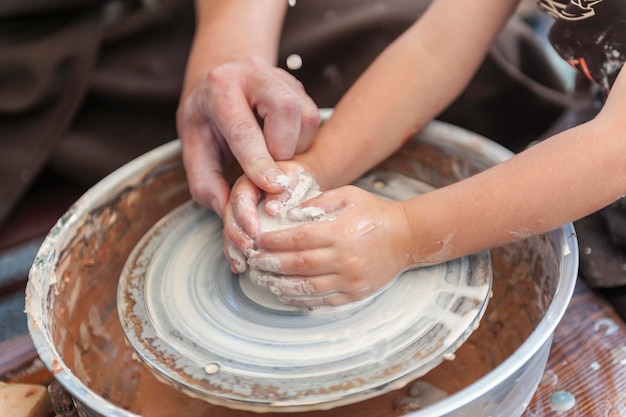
x=74, y=323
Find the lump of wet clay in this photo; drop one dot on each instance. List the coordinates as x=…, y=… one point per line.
x=290, y=214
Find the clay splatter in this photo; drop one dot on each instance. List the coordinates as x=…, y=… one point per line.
x=562, y=401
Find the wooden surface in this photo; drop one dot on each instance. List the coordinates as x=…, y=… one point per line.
x=587, y=361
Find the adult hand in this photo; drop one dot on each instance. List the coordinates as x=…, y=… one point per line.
x=249, y=110
x=366, y=244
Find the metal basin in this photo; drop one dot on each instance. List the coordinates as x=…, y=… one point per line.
x=71, y=295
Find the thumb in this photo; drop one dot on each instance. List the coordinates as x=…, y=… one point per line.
x=265, y=174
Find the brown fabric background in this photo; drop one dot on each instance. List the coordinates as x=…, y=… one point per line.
x=87, y=85
x=97, y=83
x=86, y=88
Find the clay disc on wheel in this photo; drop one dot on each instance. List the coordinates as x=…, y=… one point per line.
x=187, y=318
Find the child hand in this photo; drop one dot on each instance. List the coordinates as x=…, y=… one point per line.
x=365, y=244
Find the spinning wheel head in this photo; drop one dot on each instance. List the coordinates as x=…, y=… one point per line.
x=194, y=324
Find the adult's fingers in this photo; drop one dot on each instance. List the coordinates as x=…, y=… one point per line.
x=310, y=114
x=244, y=199
x=224, y=103
x=203, y=165
x=291, y=117
x=219, y=119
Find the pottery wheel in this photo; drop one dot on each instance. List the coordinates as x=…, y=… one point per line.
x=187, y=318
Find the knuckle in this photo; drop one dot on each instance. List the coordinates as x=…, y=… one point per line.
x=288, y=102
x=301, y=264
x=243, y=130
x=297, y=83
x=254, y=62
x=326, y=286
x=217, y=76
x=355, y=282
x=310, y=116
x=298, y=239
x=200, y=193
x=350, y=193
x=352, y=262
x=233, y=236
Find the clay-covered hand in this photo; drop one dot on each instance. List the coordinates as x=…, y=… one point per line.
x=249, y=110
x=241, y=221
x=363, y=244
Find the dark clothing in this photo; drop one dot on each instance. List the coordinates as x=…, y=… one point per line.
x=591, y=36
x=86, y=85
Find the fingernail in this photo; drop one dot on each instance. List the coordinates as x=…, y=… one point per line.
x=277, y=178
x=273, y=207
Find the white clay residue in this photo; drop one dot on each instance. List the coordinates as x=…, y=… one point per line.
x=420, y=394
x=427, y=392
x=442, y=253
x=238, y=258
x=566, y=249
x=562, y=401
x=522, y=233
x=294, y=62
x=212, y=369
x=606, y=325
x=95, y=324
x=79, y=368
x=366, y=227
x=618, y=354
x=262, y=297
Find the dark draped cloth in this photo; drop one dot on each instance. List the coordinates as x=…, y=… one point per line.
x=88, y=85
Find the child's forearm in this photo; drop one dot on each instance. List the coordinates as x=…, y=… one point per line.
x=413, y=80
x=559, y=180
